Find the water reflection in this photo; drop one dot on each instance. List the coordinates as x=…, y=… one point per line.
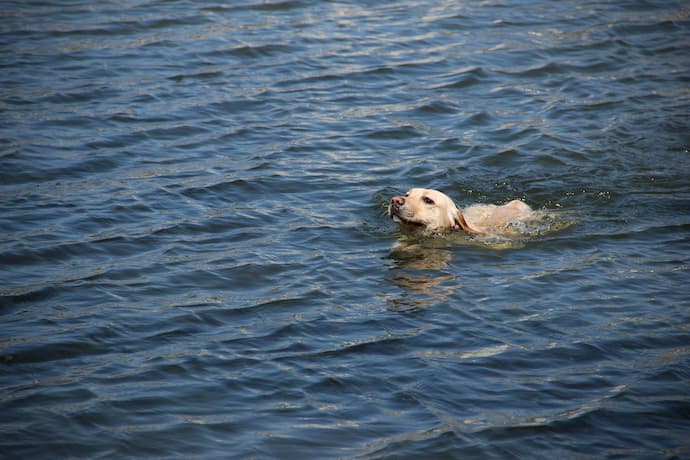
x=421, y=262
x=419, y=271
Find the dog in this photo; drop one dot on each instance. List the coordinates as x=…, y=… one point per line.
x=435, y=213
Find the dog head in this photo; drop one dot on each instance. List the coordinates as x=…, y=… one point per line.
x=429, y=209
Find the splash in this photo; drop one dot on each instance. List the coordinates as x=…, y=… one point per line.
x=517, y=233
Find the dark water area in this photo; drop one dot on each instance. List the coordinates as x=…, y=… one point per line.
x=195, y=260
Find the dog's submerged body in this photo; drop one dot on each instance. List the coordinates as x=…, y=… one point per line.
x=435, y=212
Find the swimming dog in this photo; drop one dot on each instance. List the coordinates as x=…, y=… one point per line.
x=435, y=212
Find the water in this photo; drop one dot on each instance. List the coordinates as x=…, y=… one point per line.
x=195, y=260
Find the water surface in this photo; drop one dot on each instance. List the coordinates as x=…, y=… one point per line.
x=196, y=262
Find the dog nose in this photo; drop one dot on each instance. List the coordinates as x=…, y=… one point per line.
x=398, y=200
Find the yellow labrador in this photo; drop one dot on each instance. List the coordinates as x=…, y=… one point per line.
x=435, y=212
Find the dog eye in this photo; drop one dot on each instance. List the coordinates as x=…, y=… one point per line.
x=428, y=200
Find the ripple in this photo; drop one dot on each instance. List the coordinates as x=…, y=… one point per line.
x=464, y=78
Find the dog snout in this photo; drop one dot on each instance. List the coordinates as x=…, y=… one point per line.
x=398, y=200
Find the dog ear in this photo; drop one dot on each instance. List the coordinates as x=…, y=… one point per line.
x=460, y=223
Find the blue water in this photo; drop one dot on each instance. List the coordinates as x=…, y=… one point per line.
x=195, y=260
